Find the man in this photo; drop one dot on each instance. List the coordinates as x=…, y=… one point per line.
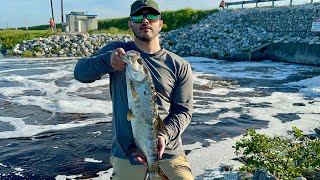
x=221, y=5
x=52, y=24
x=172, y=77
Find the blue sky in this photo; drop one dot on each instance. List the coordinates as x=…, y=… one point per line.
x=18, y=13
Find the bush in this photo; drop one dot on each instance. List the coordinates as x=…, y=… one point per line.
x=183, y=17
x=113, y=30
x=172, y=19
x=283, y=158
x=27, y=53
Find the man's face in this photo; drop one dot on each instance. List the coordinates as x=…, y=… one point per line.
x=145, y=30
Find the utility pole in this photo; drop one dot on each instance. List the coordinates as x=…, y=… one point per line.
x=27, y=28
x=62, y=21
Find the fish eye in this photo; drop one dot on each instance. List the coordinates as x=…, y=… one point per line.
x=139, y=61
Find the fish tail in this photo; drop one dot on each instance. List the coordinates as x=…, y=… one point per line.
x=150, y=175
x=157, y=174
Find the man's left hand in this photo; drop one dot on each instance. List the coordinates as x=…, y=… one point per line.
x=161, y=146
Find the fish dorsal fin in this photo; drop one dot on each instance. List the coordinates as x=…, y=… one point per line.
x=130, y=115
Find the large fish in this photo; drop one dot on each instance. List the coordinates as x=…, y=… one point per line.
x=143, y=111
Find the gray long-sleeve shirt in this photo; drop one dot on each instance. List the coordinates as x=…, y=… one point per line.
x=172, y=77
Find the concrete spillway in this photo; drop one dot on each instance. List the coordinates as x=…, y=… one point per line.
x=295, y=52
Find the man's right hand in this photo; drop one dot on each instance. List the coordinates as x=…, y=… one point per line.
x=116, y=59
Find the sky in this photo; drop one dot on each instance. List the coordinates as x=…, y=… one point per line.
x=21, y=13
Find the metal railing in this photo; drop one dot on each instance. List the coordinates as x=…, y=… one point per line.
x=227, y=4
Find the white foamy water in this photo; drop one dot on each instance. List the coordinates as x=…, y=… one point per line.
x=54, y=98
x=204, y=160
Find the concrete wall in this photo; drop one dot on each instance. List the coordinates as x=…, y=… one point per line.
x=293, y=52
x=302, y=53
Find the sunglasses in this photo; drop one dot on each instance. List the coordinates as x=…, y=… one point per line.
x=151, y=18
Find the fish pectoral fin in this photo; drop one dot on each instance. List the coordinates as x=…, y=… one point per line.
x=162, y=127
x=130, y=115
x=134, y=93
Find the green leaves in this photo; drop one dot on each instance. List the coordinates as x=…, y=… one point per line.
x=284, y=158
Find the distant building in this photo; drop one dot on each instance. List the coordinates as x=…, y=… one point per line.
x=80, y=22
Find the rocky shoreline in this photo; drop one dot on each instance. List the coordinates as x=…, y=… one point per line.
x=73, y=45
x=224, y=35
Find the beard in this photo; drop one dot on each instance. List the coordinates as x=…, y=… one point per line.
x=145, y=37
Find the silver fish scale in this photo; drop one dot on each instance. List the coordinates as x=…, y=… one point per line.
x=144, y=132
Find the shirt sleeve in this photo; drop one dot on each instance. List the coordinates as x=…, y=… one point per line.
x=181, y=106
x=91, y=68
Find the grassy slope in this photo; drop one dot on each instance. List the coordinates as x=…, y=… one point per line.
x=9, y=38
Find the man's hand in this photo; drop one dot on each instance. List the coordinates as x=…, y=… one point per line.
x=161, y=146
x=116, y=59
x=140, y=157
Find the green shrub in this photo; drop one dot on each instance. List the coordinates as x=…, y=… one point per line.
x=172, y=19
x=37, y=49
x=27, y=53
x=114, y=30
x=183, y=17
x=119, y=23
x=283, y=158
x=57, y=49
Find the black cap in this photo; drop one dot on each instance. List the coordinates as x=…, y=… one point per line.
x=140, y=4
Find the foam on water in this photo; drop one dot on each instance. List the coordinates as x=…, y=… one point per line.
x=309, y=86
x=205, y=160
x=52, y=98
x=231, y=69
